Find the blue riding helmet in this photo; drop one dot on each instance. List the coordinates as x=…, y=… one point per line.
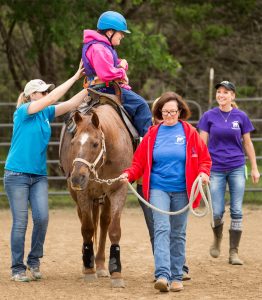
x=112, y=20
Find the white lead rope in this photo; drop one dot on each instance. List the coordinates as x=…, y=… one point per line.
x=196, y=188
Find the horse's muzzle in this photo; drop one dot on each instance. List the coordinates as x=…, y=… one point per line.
x=79, y=182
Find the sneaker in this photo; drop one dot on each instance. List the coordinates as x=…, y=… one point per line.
x=186, y=276
x=176, y=286
x=35, y=272
x=162, y=285
x=20, y=277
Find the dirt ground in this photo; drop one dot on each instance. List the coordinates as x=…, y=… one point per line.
x=61, y=265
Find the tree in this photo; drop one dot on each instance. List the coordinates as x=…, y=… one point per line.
x=43, y=39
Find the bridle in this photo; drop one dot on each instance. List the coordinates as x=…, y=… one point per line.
x=92, y=166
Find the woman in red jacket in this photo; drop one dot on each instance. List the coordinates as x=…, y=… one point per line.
x=170, y=157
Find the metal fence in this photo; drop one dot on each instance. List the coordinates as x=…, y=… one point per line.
x=194, y=106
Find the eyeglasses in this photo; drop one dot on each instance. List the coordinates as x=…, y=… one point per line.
x=171, y=112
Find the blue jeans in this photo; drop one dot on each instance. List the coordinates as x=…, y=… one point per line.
x=169, y=234
x=147, y=211
x=236, y=183
x=136, y=107
x=148, y=214
x=21, y=189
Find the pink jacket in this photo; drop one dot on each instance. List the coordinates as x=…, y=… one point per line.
x=101, y=58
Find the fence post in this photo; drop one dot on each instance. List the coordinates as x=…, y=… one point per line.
x=211, y=83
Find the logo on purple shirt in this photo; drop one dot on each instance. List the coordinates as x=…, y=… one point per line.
x=235, y=125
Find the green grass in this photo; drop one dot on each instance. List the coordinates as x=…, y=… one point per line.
x=67, y=201
x=62, y=201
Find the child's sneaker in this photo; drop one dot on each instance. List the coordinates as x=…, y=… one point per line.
x=35, y=272
x=20, y=277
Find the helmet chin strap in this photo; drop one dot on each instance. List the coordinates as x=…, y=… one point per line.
x=110, y=38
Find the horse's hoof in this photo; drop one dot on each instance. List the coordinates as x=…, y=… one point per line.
x=117, y=283
x=102, y=273
x=90, y=277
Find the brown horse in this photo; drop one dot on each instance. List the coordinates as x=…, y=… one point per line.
x=100, y=147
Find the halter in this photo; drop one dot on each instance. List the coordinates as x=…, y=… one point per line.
x=92, y=166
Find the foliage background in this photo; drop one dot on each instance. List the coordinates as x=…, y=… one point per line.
x=172, y=46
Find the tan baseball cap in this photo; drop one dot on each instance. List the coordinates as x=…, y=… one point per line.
x=37, y=85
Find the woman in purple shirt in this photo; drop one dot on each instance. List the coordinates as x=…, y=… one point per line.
x=226, y=130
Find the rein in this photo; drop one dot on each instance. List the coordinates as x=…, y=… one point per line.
x=196, y=188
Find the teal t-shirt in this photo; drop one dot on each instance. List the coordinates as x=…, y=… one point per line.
x=169, y=159
x=31, y=135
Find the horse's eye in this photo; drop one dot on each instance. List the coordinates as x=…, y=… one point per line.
x=95, y=145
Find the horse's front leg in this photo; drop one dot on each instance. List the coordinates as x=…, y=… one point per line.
x=117, y=200
x=104, y=223
x=85, y=212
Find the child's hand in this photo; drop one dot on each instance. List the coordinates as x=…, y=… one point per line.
x=125, y=80
x=123, y=64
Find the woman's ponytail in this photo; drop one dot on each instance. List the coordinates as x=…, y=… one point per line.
x=21, y=99
x=233, y=104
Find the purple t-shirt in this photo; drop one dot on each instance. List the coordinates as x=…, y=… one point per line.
x=225, y=131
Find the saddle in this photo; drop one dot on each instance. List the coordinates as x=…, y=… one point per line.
x=114, y=100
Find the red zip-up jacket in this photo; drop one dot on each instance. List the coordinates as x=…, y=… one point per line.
x=197, y=159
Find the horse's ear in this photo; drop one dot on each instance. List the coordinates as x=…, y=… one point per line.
x=77, y=117
x=95, y=120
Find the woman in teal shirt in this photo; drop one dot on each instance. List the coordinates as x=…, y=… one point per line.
x=25, y=177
